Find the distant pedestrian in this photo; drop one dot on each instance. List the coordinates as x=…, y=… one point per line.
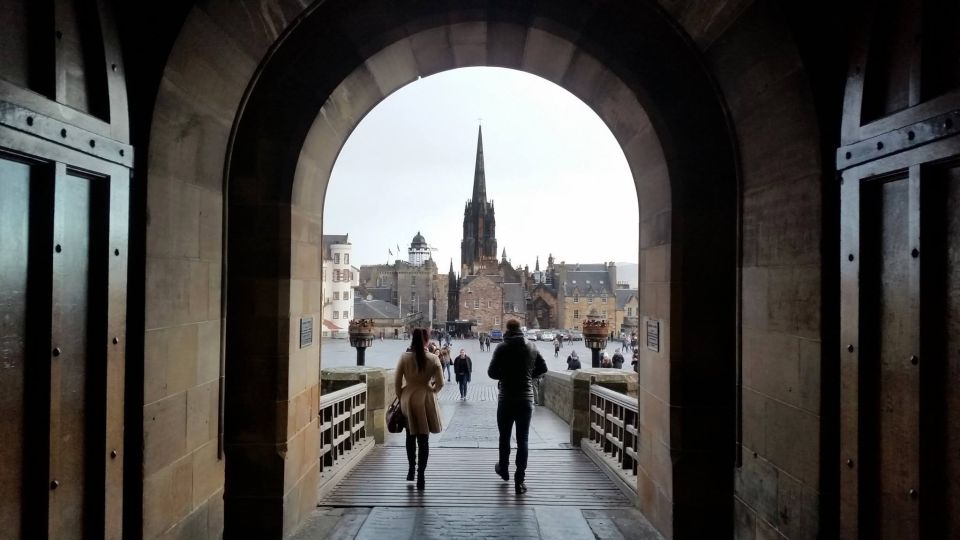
x=617, y=359
x=445, y=361
x=481, y=342
x=605, y=361
x=573, y=361
x=462, y=369
x=636, y=362
x=486, y=342
x=515, y=364
x=556, y=347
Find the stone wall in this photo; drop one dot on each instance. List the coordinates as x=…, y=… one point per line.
x=486, y=294
x=778, y=485
x=558, y=393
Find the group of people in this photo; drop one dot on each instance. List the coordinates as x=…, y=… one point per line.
x=615, y=362
x=484, y=342
x=419, y=377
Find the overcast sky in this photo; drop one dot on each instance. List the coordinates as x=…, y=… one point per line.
x=553, y=169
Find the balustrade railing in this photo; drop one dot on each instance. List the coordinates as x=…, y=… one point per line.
x=614, y=419
x=343, y=423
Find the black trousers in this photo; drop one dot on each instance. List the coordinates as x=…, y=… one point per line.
x=517, y=412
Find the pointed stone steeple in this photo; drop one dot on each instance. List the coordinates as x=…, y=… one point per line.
x=451, y=266
x=504, y=256
x=537, y=267
x=479, y=177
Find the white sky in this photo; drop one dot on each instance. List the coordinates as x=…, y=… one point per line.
x=553, y=170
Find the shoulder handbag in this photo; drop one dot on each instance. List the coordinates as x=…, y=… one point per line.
x=396, y=421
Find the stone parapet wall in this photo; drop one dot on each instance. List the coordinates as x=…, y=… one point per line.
x=567, y=394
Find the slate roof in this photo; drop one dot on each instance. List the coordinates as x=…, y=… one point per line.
x=623, y=296
x=384, y=294
x=589, y=277
x=374, y=309
x=513, y=292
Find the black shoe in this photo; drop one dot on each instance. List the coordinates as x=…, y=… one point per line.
x=410, y=472
x=520, y=487
x=421, y=482
x=501, y=472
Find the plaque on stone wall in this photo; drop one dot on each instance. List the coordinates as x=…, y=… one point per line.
x=306, y=332
x=653, y=335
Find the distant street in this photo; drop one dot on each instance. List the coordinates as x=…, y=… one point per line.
x=338, y=353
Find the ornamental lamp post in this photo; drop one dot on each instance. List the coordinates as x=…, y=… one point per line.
x=361, y=337
x=595, y=334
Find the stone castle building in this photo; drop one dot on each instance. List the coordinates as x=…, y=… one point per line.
x=410, y=284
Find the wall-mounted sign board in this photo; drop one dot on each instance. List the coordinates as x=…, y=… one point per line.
x=306, y=332
x=653, y=335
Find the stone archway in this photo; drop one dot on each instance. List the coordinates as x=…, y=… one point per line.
x=237, y=106
x=676, y=142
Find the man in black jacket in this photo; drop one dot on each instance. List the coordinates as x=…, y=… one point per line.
x=515, y=364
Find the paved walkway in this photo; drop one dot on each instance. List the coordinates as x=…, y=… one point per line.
x=568, y=496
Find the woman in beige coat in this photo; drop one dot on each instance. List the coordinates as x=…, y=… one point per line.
x=418, y=401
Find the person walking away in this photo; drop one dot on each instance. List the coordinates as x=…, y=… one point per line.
x=445, y=361
x=556, y=347
x=481, y=342
x=486, y=342
x=617, y=359
x=515, y=364
x=636, y=362
x=573, y=361
x=418, y=401
x=462, y=370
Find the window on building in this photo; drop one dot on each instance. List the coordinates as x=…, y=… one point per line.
x=336, y=275
x=576, y=314
x=413, y=296
x=346, y=295
x=413, y=280
x=336, y=258
x=336, y=314
x=346, y=258
x=629, y=312
x=476, y=304
x=496, y=321
x=576, y=299
x=604, y=313
x=589, y=299
x=346, y=314
x=336, y=295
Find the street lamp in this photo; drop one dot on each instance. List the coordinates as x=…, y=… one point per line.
x=595, y=334
x=361, y=337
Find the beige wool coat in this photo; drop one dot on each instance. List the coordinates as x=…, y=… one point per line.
x=418, y=398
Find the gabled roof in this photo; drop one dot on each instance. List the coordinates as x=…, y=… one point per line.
x=624, y=296
x=513, y=292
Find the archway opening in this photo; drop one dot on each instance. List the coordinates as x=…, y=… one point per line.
x=671, y=127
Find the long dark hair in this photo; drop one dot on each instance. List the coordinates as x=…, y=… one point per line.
x=417, y=346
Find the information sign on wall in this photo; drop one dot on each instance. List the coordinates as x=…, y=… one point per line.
x=306, y=332
x=653, y=335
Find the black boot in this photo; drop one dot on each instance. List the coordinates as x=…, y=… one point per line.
x=411, y=455
x=423, y=452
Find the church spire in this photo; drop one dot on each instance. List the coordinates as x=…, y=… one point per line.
x=479, y=178
x=537, y=267
x=451, y=266
x=504, y=256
